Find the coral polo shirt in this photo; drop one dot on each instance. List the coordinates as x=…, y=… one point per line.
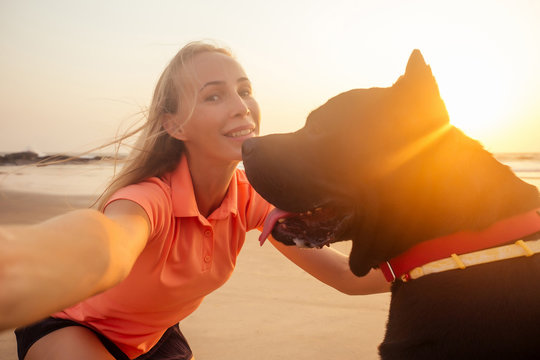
x=187, y=256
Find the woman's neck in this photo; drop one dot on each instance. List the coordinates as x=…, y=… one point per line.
x=210, y=182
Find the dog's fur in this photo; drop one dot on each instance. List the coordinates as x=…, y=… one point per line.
x=389, y=157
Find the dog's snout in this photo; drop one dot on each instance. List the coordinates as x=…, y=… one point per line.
x=247, y=146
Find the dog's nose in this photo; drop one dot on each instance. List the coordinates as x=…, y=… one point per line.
x=247, y=146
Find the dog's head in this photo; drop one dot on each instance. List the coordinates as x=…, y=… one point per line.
x=330, y=176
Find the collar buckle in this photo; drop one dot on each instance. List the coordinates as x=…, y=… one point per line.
x=391, y=271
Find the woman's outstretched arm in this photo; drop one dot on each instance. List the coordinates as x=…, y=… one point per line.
x=49, y=266
x=332, y=268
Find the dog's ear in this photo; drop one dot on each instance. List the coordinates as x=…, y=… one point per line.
x=416, y=66
x=417, y=72
x=417, y=93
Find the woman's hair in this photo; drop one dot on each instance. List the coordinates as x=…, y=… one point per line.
x=156, y=152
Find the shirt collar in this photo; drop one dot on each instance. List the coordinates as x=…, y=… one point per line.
x=183, y=196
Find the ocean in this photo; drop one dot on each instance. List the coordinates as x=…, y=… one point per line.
x=524, y=165
x=92, y=177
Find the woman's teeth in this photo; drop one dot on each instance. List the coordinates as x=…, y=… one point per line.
x=240, y=133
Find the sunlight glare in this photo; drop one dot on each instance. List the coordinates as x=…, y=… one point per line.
x=478, y=94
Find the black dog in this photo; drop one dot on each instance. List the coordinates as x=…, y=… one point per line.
x=384, y=167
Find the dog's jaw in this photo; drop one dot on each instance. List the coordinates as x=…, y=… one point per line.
x=313, y=228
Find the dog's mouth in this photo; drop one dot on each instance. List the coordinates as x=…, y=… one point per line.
x=313, y=229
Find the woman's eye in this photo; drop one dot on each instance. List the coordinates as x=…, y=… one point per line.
x=212, y=98
x=244, y=92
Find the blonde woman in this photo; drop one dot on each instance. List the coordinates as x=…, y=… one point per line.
x=117, y=281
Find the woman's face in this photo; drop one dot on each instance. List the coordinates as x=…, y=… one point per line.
x=219, y=107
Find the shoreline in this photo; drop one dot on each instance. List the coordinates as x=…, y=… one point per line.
x=29, y=157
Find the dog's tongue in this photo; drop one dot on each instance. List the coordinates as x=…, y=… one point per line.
x=270, y=221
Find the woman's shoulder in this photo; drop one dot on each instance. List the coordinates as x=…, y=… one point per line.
x=152, y=193
x=149, y=186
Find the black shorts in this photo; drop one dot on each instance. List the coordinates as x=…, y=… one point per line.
x=172, y=345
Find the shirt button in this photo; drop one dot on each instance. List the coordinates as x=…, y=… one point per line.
x=207, y=233
x=207, y=258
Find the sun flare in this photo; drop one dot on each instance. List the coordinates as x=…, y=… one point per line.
x=478, y=95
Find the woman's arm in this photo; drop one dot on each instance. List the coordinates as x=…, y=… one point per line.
x=332, y=268
x=49, y=266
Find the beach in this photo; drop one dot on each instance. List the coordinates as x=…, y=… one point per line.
x=269, y=309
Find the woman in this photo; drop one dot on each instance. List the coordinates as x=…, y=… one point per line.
x=168, y=233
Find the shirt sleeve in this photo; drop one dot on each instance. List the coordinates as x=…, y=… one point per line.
x=153, y=196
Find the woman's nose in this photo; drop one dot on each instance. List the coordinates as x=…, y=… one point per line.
x=240, y=108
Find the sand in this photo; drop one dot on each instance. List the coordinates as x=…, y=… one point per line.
x=269, y=309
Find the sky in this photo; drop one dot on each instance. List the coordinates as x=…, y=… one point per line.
x=75, y=74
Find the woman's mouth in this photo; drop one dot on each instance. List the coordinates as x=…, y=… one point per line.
x=241, y=133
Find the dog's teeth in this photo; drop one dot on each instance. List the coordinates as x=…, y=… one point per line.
x=300, y=243
x=281, y=220
x=309, y=212
x=318, y=209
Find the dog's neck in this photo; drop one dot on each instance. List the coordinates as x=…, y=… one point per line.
x=456, y=185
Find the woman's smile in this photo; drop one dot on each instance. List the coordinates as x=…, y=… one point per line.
x=242, y=133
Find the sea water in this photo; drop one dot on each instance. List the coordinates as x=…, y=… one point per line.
x=63, y=179
x=524, y=165
x=91, y=178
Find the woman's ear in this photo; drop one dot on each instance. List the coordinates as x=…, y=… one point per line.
x=171, y=124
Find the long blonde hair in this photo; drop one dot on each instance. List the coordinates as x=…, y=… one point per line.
x=155, y=152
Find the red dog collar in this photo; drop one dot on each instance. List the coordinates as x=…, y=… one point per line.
x=462, y=242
